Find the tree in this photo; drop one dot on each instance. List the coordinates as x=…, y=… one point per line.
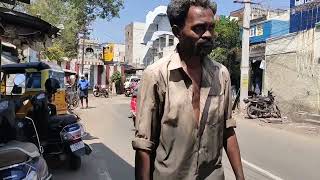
x=116, y=79
x=227, y=47
x=75, y=16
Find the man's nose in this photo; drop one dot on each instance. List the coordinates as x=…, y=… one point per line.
x=207, y=34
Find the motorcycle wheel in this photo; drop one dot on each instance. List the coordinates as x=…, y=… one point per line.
x=106, y=95
x=74, y=162
x=252, y=113
x=96, y=93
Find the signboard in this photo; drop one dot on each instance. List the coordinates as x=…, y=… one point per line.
x=108, y=53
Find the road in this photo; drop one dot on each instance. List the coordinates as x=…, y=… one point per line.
x=268, y=153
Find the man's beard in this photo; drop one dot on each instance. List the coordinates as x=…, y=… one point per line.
x=204, y=49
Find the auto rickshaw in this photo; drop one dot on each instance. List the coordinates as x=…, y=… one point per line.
x=60, y=132
x=36, y=74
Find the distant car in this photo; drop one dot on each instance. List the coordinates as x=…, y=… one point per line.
x=130, y=80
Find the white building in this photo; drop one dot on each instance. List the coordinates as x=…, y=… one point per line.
x=134, y=49
x=158, y=36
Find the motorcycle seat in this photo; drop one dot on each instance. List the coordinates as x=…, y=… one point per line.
x=60, y=121
x=15, y=152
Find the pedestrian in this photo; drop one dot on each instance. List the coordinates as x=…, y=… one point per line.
x=184, y=111
x=83, y=87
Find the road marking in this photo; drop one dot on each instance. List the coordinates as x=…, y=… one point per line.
x=262, y=171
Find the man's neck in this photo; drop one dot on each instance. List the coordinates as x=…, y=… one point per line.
x=190, y=60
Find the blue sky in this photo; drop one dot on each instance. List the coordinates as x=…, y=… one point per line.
x=136, y=10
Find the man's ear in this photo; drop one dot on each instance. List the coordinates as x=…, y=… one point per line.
x=176, y=31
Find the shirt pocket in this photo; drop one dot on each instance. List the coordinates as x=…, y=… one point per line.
x=215, y=112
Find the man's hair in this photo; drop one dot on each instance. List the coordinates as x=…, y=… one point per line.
x=178, y=9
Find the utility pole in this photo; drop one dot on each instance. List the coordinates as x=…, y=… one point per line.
x=244, y=82
x=83, y=44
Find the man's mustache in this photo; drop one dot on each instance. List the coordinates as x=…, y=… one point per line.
x=206, y=43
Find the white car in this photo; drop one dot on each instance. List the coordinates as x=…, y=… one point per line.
x=130, y=80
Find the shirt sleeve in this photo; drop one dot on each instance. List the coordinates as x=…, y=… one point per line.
x=147, y=113
x=230, y=121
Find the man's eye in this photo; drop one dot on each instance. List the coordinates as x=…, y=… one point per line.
x=199, y=29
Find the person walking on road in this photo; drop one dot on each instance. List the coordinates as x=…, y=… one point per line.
x=184, y=111
x=83, y=87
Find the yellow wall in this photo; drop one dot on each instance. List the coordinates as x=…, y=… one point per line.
x=108, y=53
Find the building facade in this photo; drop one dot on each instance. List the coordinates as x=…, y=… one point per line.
x=305, y=14
x=293, y=71
x=293, y=61
x=134, y=49
x=256, y=13
x=97, y=71
x=158, y=36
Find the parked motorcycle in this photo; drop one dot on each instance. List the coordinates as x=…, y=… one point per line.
x=19, y=160
x=100, y=91
x=128, y=91
x=61, y=135
x=262, y=107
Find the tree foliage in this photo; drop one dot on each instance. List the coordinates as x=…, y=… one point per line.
x=74, y=16
x=116, y=77
x=227, y=47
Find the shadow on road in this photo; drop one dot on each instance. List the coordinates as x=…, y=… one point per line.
x=102, y=164
x=89, y=137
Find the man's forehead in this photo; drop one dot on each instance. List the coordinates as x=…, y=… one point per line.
x=198, y=13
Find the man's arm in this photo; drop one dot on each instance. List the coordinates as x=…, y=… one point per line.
x=147, y=128
x=142, y=165
x=230, y=142
x=233, y=152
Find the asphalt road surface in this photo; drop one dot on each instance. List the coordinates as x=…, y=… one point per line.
x=267, y=153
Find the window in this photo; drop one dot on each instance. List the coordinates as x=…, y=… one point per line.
x=171, y=41
x=162, y=42
x=252, y=31
x=59, y=76
x=33, y=80
x=259, y=30
x=10, y=88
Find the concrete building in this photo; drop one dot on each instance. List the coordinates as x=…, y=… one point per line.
x=134, y=49
x=95, y=69
x=262, y=29
x=293, y=62
x=256, y=13
x=293, y=71
x=158, y=36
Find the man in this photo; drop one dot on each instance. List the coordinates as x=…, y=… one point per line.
x=184, y=105
x=83, y=87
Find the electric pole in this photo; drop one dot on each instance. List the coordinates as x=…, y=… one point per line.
x=83, y=42
x=244, y=82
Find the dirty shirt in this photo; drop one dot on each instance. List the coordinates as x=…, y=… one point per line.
x=183, y=149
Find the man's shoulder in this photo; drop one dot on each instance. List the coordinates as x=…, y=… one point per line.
x=217, y=67
x=159, y=65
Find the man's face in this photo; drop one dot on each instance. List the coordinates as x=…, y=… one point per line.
x=197, y=36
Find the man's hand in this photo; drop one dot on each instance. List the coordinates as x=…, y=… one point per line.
x=233, y=152
x=142, y=165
